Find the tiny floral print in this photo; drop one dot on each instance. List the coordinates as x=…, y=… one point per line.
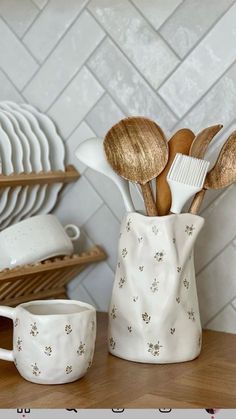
x=34, y=329
x=155, y=230
x=179, y=269
x=124, y=252
x=178, y=300
x=118, y=264
x=121, y=282
x=113, y=312
x=154, y=348
x=140, y=239
x=174, y=240
x=172, y=330
x=68, y=329
x=130, y=329
x=18, y=344
x=141, y=268
x=154, y=286
x=186, y=283
x=189, y=230
x=135, y=299
x=48, y=350
x=35, y=369
x=128, y=225
x=146, y=318
x=16, y=322
x=200, y=341
x=191, y=315
x=159, y=256
x=81, y=349
x=112, y=343
x=68, y=369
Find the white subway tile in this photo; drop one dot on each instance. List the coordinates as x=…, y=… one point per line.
x=75, y=102
x=8, y=90
x=40, y=3
x=108, y=191
x=126, y=86
x=217, y=106
x=78, y=204
x=16, y=61
x=105, y=114
x=18, y=14
x=190, y=22
x=215, y=284
x=157, y=11
x=203, y=66
x=79, y=293
x=143, y=46
x=100, y=278
x=225, y=321
x=82, y=133
x=219, y=228
x=103, y=228
x=51, y=25
x=64, y=62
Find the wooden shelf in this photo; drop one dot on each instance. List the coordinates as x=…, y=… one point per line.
x=46, y=279
x=70, y=174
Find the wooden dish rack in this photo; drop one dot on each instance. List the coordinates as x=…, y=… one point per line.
x=47, y=279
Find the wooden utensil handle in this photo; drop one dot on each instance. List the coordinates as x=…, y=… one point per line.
x=148, y=200
x=196, y=202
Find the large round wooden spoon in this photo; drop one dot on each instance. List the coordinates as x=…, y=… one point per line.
x=222, y=174
x=180, y=142
x=202, y=140
x=137, y=150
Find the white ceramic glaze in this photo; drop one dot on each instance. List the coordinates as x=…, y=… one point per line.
x=154, y=313
x=35, y=239
x=53, y=341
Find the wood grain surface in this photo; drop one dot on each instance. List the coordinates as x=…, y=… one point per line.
x=209, y=380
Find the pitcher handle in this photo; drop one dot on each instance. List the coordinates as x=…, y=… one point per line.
x=5, y=311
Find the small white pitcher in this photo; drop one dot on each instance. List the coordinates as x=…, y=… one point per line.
x=53, y=341
x=154, y=313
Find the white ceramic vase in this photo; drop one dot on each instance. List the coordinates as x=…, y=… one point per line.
x=154, y=313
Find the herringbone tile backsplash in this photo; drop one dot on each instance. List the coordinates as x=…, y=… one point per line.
x=88, y=64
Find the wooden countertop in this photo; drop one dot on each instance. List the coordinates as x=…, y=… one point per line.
x=209, y=381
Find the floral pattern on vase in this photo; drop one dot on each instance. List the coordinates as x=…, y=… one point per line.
x=159, y=292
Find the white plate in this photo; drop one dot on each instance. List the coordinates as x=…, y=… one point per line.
x=22, y=196
x=35, y=157
x=17, y=160
x=56, y=155
x=7, y=166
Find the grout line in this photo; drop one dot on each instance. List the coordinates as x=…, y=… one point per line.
x=230, y=243
x=220, y=311
x=205, y=94
x=55, y=46
x=233, y=307
x=72, y=79
x=133, y=65
x=171, y=16
x=10, y=81
x=158, y=34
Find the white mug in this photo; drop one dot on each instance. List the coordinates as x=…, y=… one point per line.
x=35, y=239
x=53, y=340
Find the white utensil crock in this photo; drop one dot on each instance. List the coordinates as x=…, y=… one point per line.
x=35, y=239
x=154, y=313
x=53, y=341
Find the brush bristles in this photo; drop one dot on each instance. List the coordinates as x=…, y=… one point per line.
x=188, y=170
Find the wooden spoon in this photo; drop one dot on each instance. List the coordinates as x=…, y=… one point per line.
x=202, y=140
x=180, y=142
x=222, y=174
x=137, y=150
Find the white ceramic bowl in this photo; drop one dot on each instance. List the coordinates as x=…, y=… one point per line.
x=35, y=239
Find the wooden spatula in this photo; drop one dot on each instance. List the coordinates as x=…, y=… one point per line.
x=202, y=140
x=137, y=150
x=180, y=142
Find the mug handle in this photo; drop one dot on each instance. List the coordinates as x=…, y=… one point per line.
x=5, y=311
x=75, y=229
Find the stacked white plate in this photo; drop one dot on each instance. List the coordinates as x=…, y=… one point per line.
x=29, y=142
